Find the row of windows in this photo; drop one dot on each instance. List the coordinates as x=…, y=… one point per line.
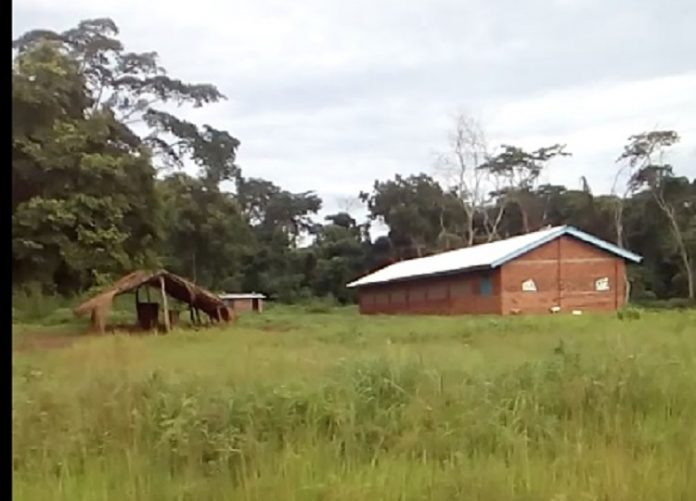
x=437, y=292
x=483, y=286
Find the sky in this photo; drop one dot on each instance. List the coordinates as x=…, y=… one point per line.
x=329, y=95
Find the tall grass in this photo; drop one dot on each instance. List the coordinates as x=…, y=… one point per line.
x=291, y=405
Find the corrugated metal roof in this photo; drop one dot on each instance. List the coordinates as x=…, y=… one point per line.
x=490, y=255
x=242, y=295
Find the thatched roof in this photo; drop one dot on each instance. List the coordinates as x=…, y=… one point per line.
x=175, y=286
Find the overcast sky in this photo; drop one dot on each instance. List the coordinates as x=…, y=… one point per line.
x=329, y=95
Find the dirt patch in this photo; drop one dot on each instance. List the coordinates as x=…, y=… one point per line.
x=29, y=341
x=50, y=339
x=277, y=328
x=47, y=339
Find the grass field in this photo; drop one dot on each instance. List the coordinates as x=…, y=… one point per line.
x=292, y=405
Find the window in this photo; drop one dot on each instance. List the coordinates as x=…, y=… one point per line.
x=486, y=286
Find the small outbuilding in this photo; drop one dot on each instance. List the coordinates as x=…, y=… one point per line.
x=149, y=311
x=552, y=270
x=244, y=301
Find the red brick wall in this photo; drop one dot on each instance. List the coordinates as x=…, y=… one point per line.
x=564, y=272
x=454, y=294
x=241, y=305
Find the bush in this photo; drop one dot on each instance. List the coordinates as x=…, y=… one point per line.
x=628, y=313
x=31, y=303
x=675, y=303
x=321, y=305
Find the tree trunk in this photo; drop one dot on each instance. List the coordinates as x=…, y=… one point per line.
x=167, y=327
x=683, y=252
x=686, y=261
x=627, y=289
x=470, y=228
x=618, y=223
x=525, y=219
x=492, y=228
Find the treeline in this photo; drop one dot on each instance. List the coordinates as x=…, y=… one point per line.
x=98, y=189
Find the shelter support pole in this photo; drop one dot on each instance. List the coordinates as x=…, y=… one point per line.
x=167, y=327
x=97, y=321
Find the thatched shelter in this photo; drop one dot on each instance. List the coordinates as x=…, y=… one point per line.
x=167, y=283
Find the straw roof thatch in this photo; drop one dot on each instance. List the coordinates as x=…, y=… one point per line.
x=175, y=286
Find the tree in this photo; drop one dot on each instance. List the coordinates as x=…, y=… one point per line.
x=84, y=198
x=83, y=195
x=645, y=154
x=279, y=220
x=134, y=88
x=207, y=237
x=270, y=209
x=340, y=251
x=421, y=216
x=518, y=171
x=460, y=168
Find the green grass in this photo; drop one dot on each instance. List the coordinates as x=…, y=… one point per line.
x=295, y=405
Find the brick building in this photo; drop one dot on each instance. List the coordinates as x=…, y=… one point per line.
x=555, y=269
x=245, y=301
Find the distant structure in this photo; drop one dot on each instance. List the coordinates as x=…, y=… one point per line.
x=247, y=301
x=554, y=270
x=150, y=312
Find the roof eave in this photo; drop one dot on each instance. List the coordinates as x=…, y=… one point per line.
x=469, y=269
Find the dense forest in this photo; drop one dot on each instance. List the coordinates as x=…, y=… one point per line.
x=99, y=188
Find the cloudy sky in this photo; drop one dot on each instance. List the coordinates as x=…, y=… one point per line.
x=328, y=95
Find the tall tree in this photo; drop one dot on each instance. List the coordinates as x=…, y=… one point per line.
x=421, y=216
x=136, y=90
x=271, y=209
x=340, y=249
x=460, y=168
x=82, y=184
x=84, y=198
x=207, y=237
x=645, y=154
x=518, y=172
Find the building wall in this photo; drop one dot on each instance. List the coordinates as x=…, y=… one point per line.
x=564, y=273
x=241, y=305
x=454, y=294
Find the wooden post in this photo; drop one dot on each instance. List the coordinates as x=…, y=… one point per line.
x=137, y=303
x=97, y=321
x=164, y=305
x=559, y=273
